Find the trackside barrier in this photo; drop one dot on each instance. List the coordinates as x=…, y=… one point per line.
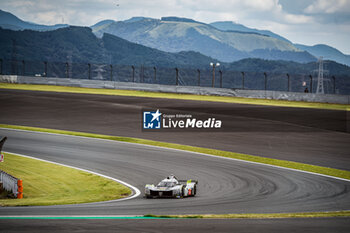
x=11, y=184
x=259, y=94
x=2, y=141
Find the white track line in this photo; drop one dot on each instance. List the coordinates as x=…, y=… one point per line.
x=213, y=156
x=136, y=191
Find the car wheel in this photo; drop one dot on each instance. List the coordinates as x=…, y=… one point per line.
x=194, y=190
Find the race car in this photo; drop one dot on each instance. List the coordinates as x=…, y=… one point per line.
x=172, y=187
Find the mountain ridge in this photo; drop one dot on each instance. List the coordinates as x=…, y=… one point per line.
x=327, y=52
x=84, y=47
x=174, y=34
x=10, y=21
x=315, y=50
x=232, y=26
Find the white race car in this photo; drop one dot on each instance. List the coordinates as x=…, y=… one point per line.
x=172, y=187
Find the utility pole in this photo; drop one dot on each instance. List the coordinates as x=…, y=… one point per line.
x=265, y=75
x=288, y=85
x=320, y=87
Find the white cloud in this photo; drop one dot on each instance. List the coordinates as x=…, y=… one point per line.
x=262, y=5
x=297, y=19
x=50, y=17
x=328, y=6
x=90, y=11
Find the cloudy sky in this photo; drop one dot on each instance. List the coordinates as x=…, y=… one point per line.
x=301, y=21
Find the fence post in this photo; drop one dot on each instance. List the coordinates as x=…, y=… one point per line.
x=133, y=73
x=155, y=74
x=89, y=71
x=220, y=78
x=177, y=76
x=23, y=67
x=310, y=83
x=45, y=68
x=213, y=79
x=265, y=80
x=111, y=67
x=142, y=74
x=199, y=77
x=67, y=70
x=14, y=67
x=288, y=82
x=242, y=80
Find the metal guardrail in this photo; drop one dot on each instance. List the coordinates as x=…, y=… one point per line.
x=11, y=184
x=259, y=94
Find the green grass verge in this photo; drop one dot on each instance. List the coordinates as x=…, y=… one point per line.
x=50, y=184
x=261, y=216
x=276, y=162
x=225, y=99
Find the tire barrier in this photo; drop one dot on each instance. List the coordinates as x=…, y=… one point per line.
x=12, y=184
x=8, y=182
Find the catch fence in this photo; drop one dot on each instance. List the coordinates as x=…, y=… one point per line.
x=224, y=78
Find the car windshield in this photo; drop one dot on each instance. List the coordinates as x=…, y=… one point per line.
x=166, y=184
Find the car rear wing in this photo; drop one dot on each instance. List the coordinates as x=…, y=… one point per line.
x=188, y=181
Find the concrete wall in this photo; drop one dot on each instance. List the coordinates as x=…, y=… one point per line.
x=260, y=94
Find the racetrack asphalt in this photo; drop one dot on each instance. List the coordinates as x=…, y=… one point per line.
x=225, y=186
x=303, y=135
x=339, y=225
x=312, y=136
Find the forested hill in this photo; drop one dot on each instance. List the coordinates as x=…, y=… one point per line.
x=259, y=65
x=82, y=46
